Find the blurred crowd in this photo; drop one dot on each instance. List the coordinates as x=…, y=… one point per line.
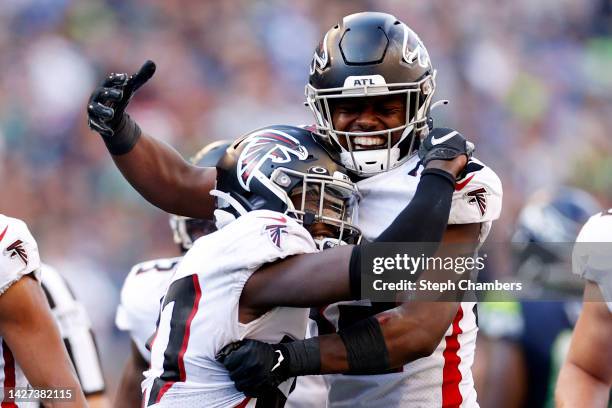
x=529, y=81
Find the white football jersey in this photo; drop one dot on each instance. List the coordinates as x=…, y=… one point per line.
x=199, y=313
x=443, y=379
x=141, y=295
x=18, y=257
x=592, y=255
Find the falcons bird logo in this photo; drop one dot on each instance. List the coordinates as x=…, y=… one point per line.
x=17, y=249
x=478, y=198
x=275, y=231
x=267, y=144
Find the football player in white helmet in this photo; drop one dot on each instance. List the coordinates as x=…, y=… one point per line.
x=586, y=377
x=372, y=110
x=146, y=284
x=33, y=354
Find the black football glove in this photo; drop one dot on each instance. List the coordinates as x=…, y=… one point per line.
x=254, y=366
x=108, y=101
x=444, y=144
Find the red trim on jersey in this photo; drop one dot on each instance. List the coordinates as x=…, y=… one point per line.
x=459, y=186
x=243, y=403
x=181, y=363
x=3, y=233
x=451, y=375
x=9, y=372
x=163, y=390
x=194, y=310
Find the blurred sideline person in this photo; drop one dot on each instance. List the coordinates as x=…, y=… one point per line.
x=145, y=286
x=33, y=353
x=280, y=200
x=370, y=89
x=75, y=330
x=586, y=377
x=522, y=344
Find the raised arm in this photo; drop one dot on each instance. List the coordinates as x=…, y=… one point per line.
x=156, y=170
x=29, y=330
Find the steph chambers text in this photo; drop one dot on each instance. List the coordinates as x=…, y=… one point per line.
x=449, y=285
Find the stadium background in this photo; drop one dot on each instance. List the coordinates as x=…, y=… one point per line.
x=529, y=81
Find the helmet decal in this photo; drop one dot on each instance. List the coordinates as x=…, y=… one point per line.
x=267, y=144
x=320, y=58
x=412, y=52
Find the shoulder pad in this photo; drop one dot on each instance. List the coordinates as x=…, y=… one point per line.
x=18, y=251
x=478, y=195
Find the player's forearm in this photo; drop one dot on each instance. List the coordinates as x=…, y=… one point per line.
x=406, y=334
x=300, y=281
x=165, y=179
x=576, y=387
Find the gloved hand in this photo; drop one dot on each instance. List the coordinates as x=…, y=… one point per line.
x=254, y=366
x=444, y=144
x=106, y=107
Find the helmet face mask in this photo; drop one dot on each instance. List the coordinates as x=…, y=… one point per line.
x=371, y=55
x=283, y=169
x=327, y=200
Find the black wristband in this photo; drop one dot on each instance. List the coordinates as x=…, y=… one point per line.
x=439, y=172
x=304, y=357
x=124, y=138
x=366, y=350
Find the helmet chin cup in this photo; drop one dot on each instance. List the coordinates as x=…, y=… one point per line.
x=370, y=162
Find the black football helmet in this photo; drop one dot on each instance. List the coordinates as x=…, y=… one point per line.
x=186, y=230
x=366, y=55
x=282, y=168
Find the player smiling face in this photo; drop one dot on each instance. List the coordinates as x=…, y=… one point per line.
x=369, y=114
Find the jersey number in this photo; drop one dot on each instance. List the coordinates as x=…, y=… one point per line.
x=185, y=293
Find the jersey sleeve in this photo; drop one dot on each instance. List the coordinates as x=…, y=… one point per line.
x=592, y=254
x=75, y=329
x=477, y=198
x=18, y=252
x=243, y=246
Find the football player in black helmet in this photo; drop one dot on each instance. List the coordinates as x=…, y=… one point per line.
x=374, y=62
x=396, y=114
x=259, y=259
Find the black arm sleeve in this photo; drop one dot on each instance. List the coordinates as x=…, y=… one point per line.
x=423, y=220
x=426, y=217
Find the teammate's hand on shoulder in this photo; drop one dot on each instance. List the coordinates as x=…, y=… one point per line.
x=107, y=102
x=448, y=146
x=254, y=366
